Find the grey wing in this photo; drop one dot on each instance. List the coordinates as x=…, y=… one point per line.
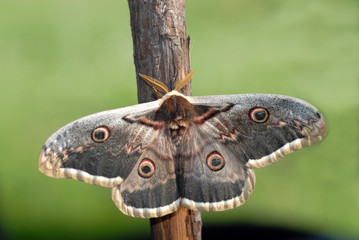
x=210, y=177
x=155, y=195
x=71, y=151
x=292, y=124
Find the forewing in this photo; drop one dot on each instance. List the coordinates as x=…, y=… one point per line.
x=292, y=124
x=71, y=152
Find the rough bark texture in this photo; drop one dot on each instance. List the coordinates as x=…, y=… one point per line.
x=161, y=51
x=160, y=43
x=183, y=224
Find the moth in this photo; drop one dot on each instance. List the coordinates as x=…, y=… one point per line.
x=194, y=152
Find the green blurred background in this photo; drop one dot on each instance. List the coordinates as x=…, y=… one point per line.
x=61, y=60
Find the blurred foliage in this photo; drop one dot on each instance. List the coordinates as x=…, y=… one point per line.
x=61, y=60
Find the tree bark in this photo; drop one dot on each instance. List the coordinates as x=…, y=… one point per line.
x=161, y=51
x=181, y=225
x=160, y=43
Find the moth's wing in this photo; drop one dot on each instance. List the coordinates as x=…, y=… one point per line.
x=71, y=151
x=201, y=187
x=292, y=124
x=156, y=195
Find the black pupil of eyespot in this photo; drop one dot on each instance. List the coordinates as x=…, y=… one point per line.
x=146, y=169
x=99, y=135
x=216, y=162
x=260, y=115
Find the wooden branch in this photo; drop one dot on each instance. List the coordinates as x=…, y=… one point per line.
x=161, y=51
x=183, y=224
x=160, y=43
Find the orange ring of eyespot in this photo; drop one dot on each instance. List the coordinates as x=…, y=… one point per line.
x=104, y=130
x=213, y=156
x=254, y=111
x=144, y=163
